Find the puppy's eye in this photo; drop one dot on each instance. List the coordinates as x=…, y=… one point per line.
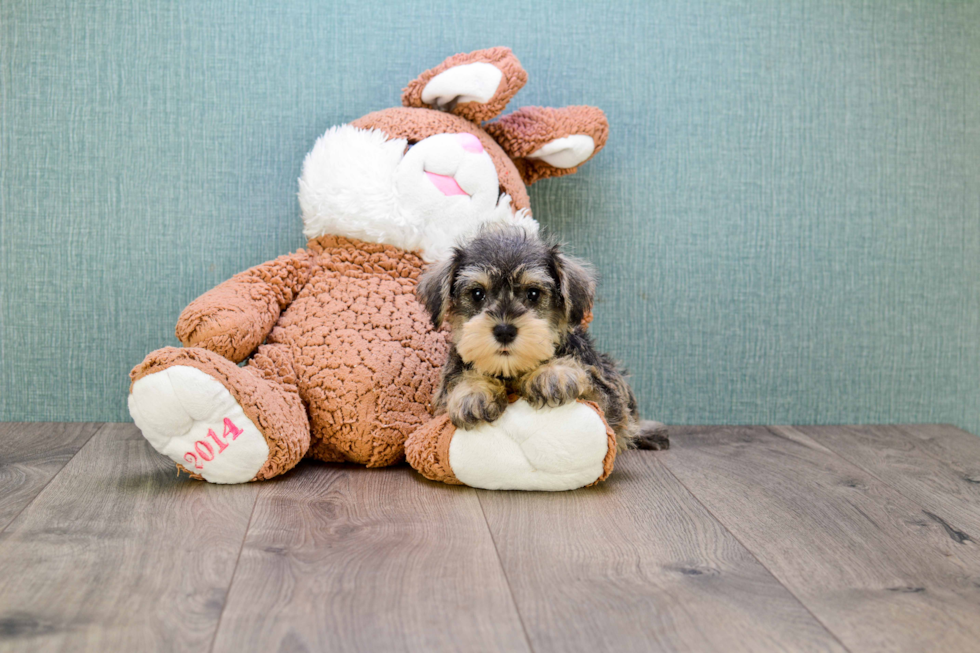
x=478, y=294
x=533, y=295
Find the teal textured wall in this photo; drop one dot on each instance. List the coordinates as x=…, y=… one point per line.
x=786, y=217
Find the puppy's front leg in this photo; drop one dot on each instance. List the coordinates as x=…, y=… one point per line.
x=555, y=383
x=475, y=398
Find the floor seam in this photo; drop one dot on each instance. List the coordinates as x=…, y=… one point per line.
x=102, y=426
x=754, y=556
x=870, y=473
x=500, y=562
x=234, y=573
x=901, y=428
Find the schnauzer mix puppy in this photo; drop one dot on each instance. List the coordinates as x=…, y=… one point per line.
x=516, y=306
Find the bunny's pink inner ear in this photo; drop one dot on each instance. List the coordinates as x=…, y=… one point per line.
x=546, y=142
x=476, y=86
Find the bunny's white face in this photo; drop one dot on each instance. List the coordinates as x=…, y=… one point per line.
x=455, y=164
x=426, y=196
x=360, y=182
x=450, y=182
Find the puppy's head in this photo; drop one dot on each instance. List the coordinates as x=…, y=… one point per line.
x=509, y=297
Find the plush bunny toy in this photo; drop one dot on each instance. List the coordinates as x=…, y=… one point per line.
x=342, y=360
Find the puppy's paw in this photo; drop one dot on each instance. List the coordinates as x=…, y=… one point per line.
x=555, y=384
x=475, y=401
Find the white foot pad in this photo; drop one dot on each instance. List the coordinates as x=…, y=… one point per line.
x=192, y=419
x=532, y=449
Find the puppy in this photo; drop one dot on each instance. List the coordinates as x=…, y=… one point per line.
x=516, y=307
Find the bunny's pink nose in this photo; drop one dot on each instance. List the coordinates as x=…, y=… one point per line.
x=470, y=143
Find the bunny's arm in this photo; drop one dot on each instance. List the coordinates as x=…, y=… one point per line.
x=234, y=318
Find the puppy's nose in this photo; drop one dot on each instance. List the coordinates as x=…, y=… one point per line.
x=505, y=333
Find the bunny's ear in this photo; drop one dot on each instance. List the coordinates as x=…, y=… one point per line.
x=476, y=86
x=546, y=142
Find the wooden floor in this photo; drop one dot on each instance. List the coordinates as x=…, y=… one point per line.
x=737, y=539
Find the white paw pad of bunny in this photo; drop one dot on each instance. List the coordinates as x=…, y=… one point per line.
x=191, y=418
x=532, y=449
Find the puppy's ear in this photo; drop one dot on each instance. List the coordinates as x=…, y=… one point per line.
x=435, y=287
x=576, y=285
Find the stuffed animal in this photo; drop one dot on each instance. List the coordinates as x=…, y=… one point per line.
x=341, y=358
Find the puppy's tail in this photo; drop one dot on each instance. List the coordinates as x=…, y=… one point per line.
x=652, y=436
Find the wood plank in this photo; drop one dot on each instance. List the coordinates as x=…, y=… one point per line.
x=118, y=554
x=950, y=491
x=953, y=446
x=637, y=564
x=32, y=453
x=346, y=558
x=876, y=568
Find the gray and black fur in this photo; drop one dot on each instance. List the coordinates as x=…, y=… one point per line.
x=516, y=306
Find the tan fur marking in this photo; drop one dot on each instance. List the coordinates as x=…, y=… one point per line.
x=473, y=277
x=534, y=277
x=476, y=345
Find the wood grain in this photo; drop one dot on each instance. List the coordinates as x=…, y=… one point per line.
x=117, y=554
x=755, y=539
x=637, y=564
x=949, y=490
x=953, y=446
x=877, y=569
x=30, y=456
x=346, y=558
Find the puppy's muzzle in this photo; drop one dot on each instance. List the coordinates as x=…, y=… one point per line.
x=505, y=333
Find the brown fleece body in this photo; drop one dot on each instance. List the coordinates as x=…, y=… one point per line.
x=349, y=366
x=366, y=358
x=233, y=318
